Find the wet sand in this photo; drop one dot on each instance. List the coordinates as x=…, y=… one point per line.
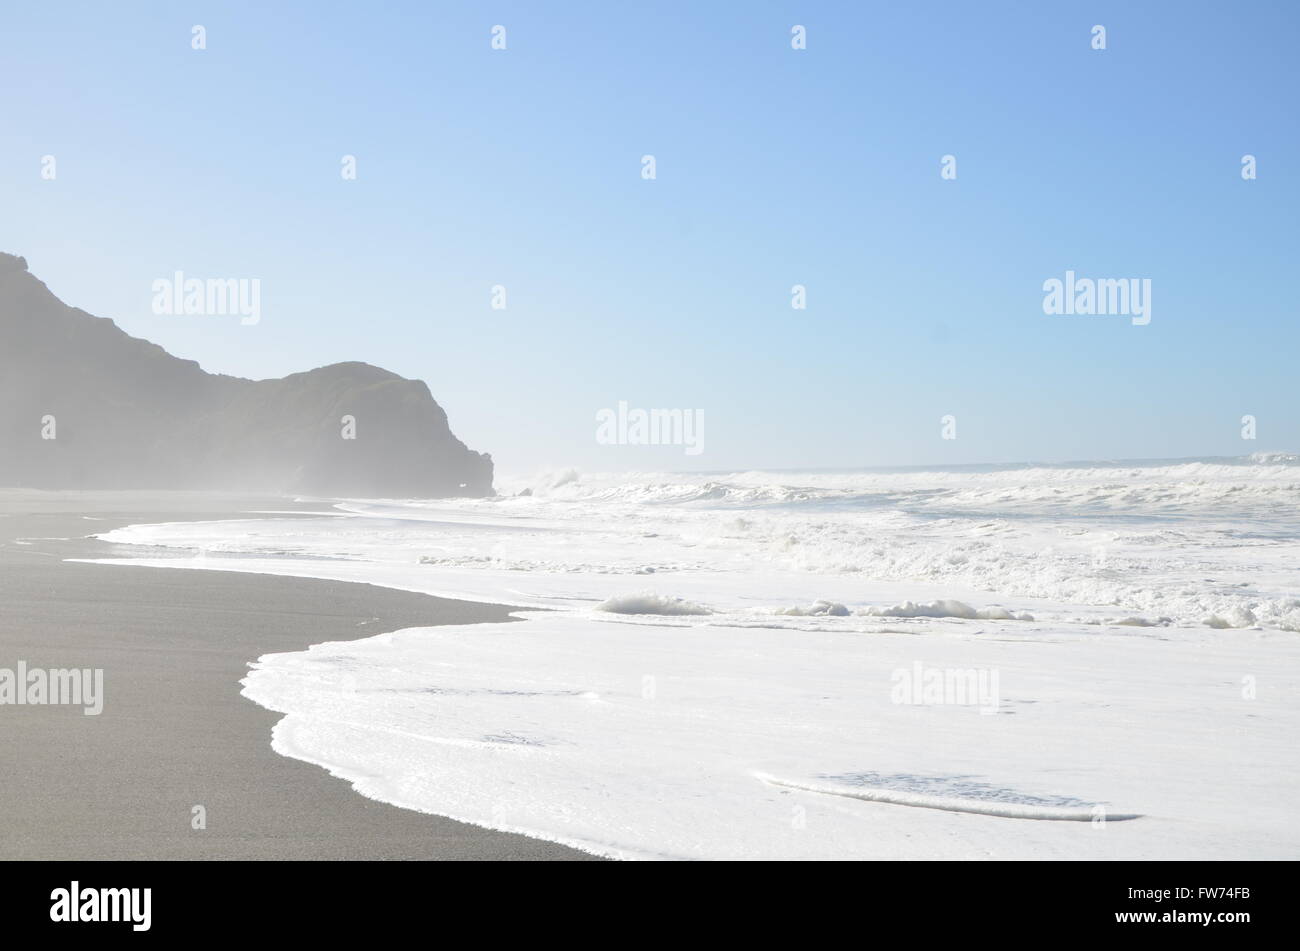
x=175, y=732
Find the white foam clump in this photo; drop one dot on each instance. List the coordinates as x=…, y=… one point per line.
x=651, y=603
x=1237, y=617
x=551, y=480
x=947, y=607
x=818, y=608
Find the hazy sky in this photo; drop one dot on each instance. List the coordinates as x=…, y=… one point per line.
x=775, y=167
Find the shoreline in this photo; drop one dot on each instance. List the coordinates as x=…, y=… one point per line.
x=175, y=732
x=528, y=722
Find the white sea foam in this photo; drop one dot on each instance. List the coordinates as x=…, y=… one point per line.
x=817, y=609
x=706, y=629
x=651, y=603
x=1192, y=541
x=946, y=607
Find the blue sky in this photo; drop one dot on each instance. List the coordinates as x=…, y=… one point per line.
x=775, y=167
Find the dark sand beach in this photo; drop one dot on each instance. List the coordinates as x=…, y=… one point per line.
x=175, y=732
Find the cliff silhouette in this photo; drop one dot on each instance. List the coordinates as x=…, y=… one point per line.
x=126, y=414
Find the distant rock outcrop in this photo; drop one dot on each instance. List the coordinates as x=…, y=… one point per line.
x=124, y=413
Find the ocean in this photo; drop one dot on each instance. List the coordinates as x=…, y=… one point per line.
x=1024, y=661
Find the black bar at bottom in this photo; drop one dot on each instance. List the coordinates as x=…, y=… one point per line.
x=931, y=900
